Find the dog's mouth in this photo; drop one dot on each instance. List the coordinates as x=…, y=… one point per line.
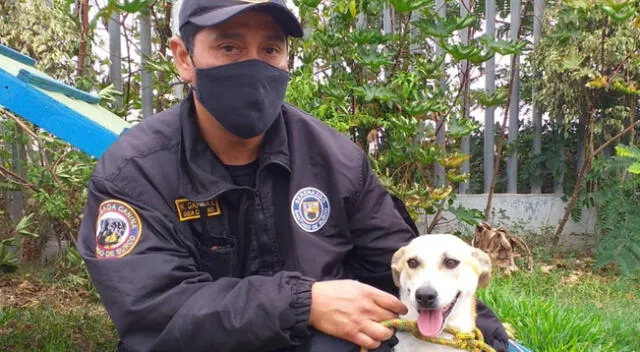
x=431, y=321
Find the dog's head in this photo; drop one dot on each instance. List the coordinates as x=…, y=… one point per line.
x=434, y=273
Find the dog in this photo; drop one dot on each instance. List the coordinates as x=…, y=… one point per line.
x=438, y=276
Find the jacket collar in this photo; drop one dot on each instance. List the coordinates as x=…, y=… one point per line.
x=204, y=176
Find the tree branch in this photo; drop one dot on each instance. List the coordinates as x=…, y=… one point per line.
x=17, y=179
x=583, y=170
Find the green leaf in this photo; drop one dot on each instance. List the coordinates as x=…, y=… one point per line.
x=598, y=82
x=459, y=127
x=371, y=93
x=480, y=58
x=485, y=100
x=504, y=47
x=454, y=177
x=617, y=5
x=404, y=6
x=444, y=28
x=352, y=8
x=368, y=37
x=421, y=107
x=375, y=60
x=619, y=13
x=109, y=93
x=580, y=4
x=573, y=61
x=467, y=21
x=634, y=168
x=461, y=52
x=130, y=6
x=312, y=4
x=628, y=151
x=469, y=216
x=327, y=38
x=24, y=224
x=629, y=88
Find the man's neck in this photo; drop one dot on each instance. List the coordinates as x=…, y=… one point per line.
x=229, y=148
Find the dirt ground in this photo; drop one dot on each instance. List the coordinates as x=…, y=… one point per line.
x=29, y=292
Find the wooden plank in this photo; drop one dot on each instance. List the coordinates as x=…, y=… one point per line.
x=89, y=127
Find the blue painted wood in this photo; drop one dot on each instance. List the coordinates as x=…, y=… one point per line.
x=16, y=55
x=53, y=116
x=52, y=85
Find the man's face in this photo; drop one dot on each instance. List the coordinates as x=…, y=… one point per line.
x=251, y=35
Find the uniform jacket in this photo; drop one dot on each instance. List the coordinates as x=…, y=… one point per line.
x=174, y=247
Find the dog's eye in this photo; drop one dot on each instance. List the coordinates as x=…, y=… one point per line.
x=413, y=263
x=451, y=263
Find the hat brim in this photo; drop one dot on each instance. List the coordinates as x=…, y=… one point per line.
x=281, y=14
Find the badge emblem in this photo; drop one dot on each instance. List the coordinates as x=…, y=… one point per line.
x=118, y=229
x=310, y=209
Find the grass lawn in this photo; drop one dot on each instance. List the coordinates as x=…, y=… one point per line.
x=569, y=310
x=40, y=312
x=561, y=306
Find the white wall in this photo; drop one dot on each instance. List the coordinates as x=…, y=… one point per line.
x=526, y=212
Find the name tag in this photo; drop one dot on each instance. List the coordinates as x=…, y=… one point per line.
x=188, y=210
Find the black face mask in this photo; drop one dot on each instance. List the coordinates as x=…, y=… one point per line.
x=244, y=97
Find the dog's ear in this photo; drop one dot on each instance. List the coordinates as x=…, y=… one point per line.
x=397, y=262
x=485, y=267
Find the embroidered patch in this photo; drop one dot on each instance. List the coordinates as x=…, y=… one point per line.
x=118, y=229
x=310, y=209
x=188, y=210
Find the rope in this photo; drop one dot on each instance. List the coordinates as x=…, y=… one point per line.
x=469, y=341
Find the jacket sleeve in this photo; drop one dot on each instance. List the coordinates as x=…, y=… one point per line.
x=377, y=229
x=159, y=301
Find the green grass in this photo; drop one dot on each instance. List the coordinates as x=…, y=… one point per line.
x=43, y=329
x=567, y=309
x=52, y=308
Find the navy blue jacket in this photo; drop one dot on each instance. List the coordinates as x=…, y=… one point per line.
x=171, y=242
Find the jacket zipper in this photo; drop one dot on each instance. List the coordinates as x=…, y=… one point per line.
x=261, y=221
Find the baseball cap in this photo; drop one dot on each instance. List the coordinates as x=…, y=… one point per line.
x=205, y=13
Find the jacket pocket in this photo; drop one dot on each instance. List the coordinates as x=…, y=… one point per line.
x=218, y=258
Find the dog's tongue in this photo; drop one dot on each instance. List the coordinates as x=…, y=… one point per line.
x=430, y=322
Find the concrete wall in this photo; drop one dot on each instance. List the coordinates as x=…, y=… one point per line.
x=527, y=213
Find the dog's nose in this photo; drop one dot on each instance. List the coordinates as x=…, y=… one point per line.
x=426, y=297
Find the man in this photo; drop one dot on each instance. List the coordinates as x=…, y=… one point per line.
x=249, y=225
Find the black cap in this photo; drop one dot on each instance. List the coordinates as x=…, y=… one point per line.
x=205, y=13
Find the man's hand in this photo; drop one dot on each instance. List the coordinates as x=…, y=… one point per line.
x=352, y=311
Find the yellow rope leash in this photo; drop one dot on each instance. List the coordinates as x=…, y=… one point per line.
x=470, y=341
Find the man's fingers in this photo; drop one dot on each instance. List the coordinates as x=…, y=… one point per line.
x=363, y=340
x=389, y=302
x=377, y=313
x=376, y=331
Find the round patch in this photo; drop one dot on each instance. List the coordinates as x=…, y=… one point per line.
x=118, y=229
x=310, y=209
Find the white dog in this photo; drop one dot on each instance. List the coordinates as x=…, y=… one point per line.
x=438, y=276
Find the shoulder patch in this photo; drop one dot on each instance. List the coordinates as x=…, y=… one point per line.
x=118, y=229
x=188, y=210
x=310, y=209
